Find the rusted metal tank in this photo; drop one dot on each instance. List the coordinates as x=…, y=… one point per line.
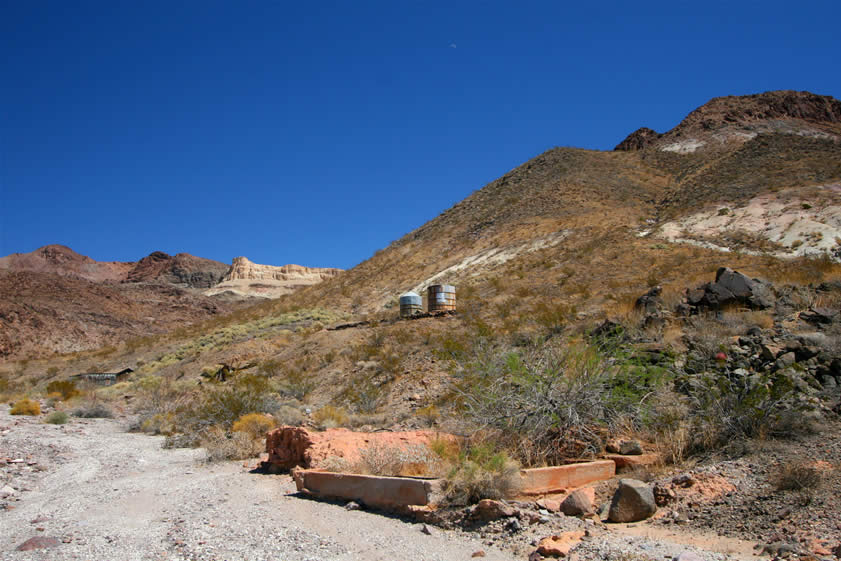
x=410, y=304
x=441, y=297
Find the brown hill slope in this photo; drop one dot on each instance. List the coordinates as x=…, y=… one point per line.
x=564, y=239
x=41, y=313
x=61, y=260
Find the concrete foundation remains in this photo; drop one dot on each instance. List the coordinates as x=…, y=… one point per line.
x=555, y=479
x=388, y=493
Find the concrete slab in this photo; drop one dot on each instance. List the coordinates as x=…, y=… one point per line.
x=540, y=481
x=376, y=491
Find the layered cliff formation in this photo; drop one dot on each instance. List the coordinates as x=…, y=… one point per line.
x=246, y=278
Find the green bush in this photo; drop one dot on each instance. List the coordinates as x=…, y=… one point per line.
x=56, y=418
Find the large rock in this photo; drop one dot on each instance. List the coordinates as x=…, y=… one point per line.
x=579, y=502
x=732, y=287
x=633, y=501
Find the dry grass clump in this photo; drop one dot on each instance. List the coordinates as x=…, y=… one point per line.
x=221, y=445
x=65, y=389
x=797, y=476
x=330, y=416
x=482, y=472
x=256, y=425
x=93, y=410
x=26, y=406
x=391, y=460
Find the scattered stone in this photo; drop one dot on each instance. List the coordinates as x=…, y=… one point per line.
x=786, y=359
x=489, y=509
x=650, y=302
x=684, y=480
x=550, y=505
x=630, y=448
x=425, y=529
x=819, y=315
x=633, y=501
x=480, y=553
x=663, y=495
x=353, y=505
x=38, y=542
x=688, y=556
x=580, y=502
x=559, y=546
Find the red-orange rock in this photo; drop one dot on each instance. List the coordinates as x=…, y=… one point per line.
x=559, y=546
x=488, y=510
x=552, y=505
x=38, y=542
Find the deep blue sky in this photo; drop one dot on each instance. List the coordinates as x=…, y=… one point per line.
x=319, y=132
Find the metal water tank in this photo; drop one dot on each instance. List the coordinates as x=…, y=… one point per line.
x=410, y=304
x=441, y=297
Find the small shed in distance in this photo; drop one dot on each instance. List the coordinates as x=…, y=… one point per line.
x=102, y=378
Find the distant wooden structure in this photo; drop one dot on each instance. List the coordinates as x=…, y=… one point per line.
x=102, y=378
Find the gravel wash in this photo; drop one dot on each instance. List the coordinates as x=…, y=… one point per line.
x=105, y=494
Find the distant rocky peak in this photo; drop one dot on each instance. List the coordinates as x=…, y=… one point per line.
x=638, y=139
x=741, y=118
x=58, y=254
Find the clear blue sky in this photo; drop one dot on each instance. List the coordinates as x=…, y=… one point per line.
x=319, y=132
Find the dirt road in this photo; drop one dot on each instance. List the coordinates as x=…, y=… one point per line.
x=103, y=493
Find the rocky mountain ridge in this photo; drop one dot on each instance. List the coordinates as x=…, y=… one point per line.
x=182, y=269
x=738, y=119
x=55, y=300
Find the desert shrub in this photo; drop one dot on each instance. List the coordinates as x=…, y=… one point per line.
x=26, y=406
x=330, y=416
x=297, y=384
x=288, y=415
x=56, y=418
x=220, y=445
x=336, y=464
x=547, y=404
x=249, y=393
x=66, y=388
x=725, y=409
x=429, y=414
x=797, y=476
x=93, y=410
x=394, y=460
x=482, y=473
x=255, y=425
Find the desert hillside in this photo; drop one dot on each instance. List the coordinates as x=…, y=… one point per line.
x=676, y=301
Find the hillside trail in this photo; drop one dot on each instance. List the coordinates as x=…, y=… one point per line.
x=104, y=493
